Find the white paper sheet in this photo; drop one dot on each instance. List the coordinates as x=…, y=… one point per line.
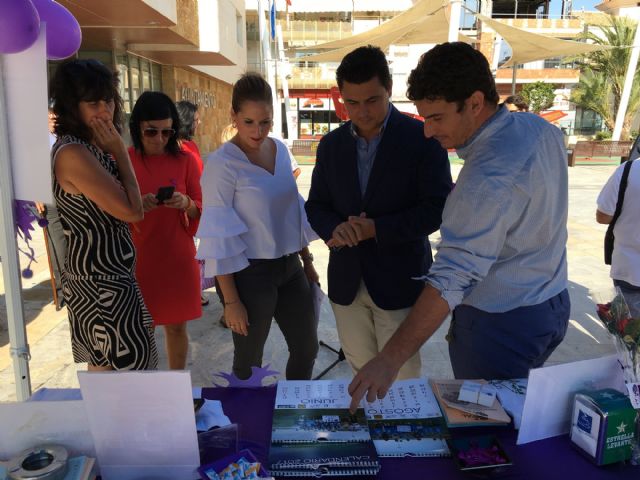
x=25, y=76
x=27, y=424
x=550, y=391
x=142, y=423
x=211, y=415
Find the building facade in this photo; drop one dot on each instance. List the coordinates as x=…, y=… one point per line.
x=189, y=49
x=306, y=23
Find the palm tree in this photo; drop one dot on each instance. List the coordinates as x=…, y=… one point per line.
x=603, y=72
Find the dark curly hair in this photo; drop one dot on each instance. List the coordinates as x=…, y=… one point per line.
x=517, y=100
x=362, y=64
x=82, y=81
x=154, y=106
x=250, y=87
x=187, y=113
x=452, y=71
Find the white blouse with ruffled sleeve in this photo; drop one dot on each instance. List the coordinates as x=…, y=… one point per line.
x=248, y=213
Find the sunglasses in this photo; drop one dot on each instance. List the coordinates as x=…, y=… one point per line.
x=153, y=132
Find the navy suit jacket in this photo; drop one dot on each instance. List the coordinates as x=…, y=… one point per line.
x=405, y=195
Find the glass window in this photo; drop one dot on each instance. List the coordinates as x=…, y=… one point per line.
x=306, y=124
x=156, y=77
x=122, y=66
x=134, y=74
x=104, y=56
x=320, y=122
x=145, y=69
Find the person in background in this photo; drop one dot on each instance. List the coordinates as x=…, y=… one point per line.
x=501, y=266
x=625, y=260
x=515, y=103
x=167, y=270
x=189, y=122
x=253, y=234
x=377, y=192
x=96, y=193
x=56, y=241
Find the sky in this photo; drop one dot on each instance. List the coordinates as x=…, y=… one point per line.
x=589, y=5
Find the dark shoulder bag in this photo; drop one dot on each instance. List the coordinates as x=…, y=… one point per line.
x=609, y=237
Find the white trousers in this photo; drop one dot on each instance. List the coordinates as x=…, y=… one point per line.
x=364, y=329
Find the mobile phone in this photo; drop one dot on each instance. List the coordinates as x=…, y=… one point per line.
x=164, y=193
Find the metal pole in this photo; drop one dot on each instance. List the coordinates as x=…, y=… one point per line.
x=261, y=50
x=628, y=83
x=285, y=82
x=10, y=264
x=514, y=68
x=454, y=20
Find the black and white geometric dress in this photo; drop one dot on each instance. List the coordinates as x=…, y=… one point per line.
x=110, y=324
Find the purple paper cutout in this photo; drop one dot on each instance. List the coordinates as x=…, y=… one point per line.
x=25, y=214
x=254, y=381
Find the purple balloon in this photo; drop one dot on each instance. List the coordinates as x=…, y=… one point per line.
x=63, y=31
x=19, y=25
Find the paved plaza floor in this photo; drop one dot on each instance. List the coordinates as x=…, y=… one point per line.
x=211, y=348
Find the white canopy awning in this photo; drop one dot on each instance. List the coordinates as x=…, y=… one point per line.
x=427, y=22
x=530, y=47
x=421, y=10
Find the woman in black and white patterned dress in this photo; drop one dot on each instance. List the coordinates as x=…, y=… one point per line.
x=96, y=192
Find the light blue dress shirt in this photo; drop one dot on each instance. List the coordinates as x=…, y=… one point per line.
x=504, y=229
x=366, y=152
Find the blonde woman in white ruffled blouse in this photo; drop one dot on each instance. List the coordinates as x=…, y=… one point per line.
x=253, y=235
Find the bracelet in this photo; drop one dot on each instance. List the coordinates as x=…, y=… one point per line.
x=231, y=303
x=308, y=257
x=188, y=204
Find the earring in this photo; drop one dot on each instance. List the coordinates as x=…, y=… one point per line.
x=233, y=125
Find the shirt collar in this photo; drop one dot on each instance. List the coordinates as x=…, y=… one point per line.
x=487, y=128
x=354, y=132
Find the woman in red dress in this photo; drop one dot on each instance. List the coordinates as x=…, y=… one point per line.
x=167, y=270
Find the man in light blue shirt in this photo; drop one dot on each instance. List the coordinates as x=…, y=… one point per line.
x=501, y=266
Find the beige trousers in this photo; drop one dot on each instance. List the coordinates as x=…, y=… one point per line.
x=364, y=328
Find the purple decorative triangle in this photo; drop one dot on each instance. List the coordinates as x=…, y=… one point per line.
x=258, y=374
x=25, y=214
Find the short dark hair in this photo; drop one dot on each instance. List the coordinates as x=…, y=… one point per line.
x=250, y=87
x=518, y=101
x=78, y=81
x=452, y=71
x=154, y=106
x=362, y=64
x=187, y=113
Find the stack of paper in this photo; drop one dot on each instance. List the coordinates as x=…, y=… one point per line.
x=465, y=414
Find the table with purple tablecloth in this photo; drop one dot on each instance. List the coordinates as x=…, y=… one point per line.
x=554, y=458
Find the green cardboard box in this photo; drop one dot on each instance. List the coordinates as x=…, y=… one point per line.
x=602, y=425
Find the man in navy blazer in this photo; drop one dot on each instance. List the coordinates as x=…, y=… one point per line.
x=378, y=190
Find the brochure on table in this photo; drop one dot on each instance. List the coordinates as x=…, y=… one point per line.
x=407, y=422
x=142, y=424
x=459, y=413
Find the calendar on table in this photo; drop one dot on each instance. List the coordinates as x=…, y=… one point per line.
x=408, y=421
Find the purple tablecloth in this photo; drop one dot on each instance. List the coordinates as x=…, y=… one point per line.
x=549, y=459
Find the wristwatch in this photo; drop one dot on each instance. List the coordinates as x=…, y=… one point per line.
x=307, y=257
